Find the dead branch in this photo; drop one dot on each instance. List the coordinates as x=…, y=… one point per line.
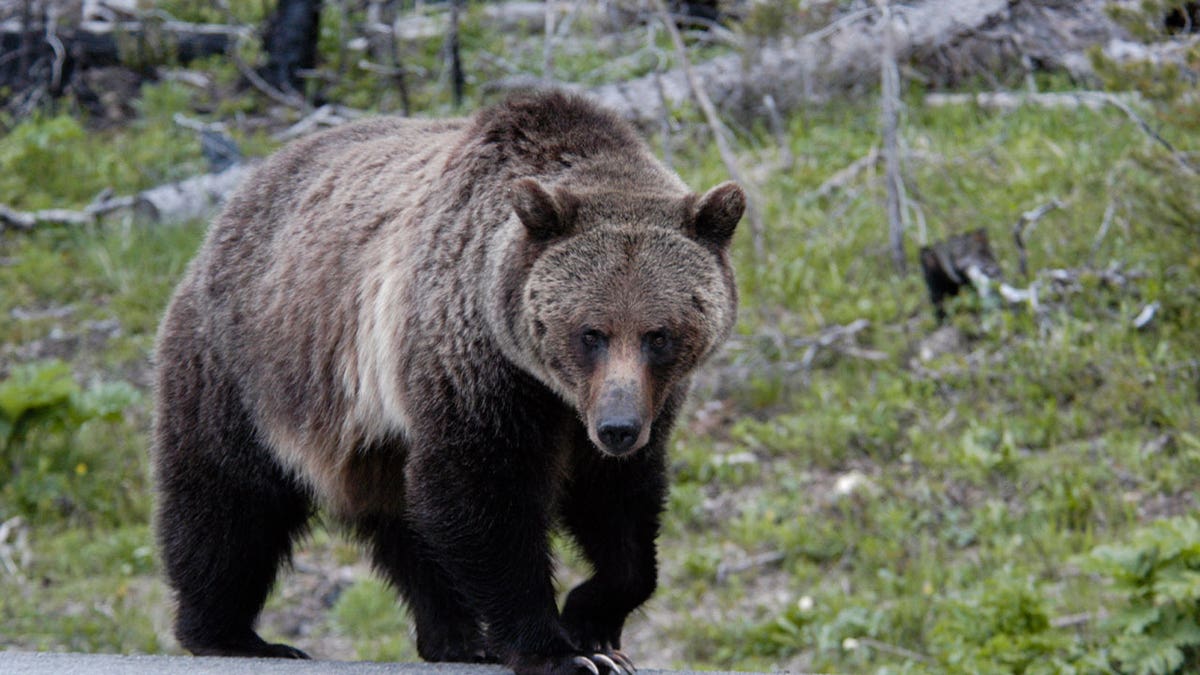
x=1028, y=221
x=1080, y=619
x=548, y=44
x=837, y=338
x=844, y=176
x=188, y=77
x=430, y=23
x=1124, y=107
x=665, y=128
x=725, y=570
x=189, y=199
x=328, y=115
x=1147, y=314
x=1006, y=101
x=15, y=552
x=26, y=220
x=256, y=81
x=1110, y=211
x=892, y=649
x=718, y=130
x=786, y=160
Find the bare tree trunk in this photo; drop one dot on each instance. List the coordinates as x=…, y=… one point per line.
x=290, y=40
x=889, y=106
x=548, y=45
x=452, y=55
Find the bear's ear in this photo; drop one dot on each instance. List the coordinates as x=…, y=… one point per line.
x=717, y=214
x=545, y=216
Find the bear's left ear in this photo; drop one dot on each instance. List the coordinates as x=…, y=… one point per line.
x=717, y=213
x=545, y=216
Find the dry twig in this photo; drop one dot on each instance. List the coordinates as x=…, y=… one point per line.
x=725, y=570
x=718, y=131
x=1026, y=222
x=14, y=554
x=786, y=160
x=892, y=649
x=844, y=176
x=1004, y=100
x=328, y=115
x=1124, y=107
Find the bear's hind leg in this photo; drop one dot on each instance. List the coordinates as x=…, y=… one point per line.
x=446, y=629
x=222, y=552
x=227, y=513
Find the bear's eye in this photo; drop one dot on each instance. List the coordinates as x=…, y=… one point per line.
x=591, y=338
x=659, y=346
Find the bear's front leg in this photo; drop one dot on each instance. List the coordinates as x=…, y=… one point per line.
x=612, y=507
x=483, y=512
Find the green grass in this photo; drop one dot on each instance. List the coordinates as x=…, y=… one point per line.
x=922, y=516
x=993, y=469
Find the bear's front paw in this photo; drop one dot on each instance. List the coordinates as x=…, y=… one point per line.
x=606, y=662
x=591, y=635
x=282, y=651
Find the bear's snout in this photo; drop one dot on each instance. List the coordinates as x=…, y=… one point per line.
x=619, y=434
x=618, y=422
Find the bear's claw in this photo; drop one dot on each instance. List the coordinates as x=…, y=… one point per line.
x=612, y=661
x=608, y=663
x=585, y=662
x=626, y=663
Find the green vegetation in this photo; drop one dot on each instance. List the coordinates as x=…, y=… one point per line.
x=1012, y=492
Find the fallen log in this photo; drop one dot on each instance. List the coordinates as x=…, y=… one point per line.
x=1006, y=101
x=193, y=198
x=846, y=54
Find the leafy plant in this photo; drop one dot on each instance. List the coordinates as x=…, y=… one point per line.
x=1156, y=629
x=1004, y=627
x=42, y=410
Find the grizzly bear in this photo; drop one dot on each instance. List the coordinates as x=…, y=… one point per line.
x=451, y=336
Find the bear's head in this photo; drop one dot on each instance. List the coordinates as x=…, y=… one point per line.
x=624, y=296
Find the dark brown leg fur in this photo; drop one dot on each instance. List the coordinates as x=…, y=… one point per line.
x=227, y=513
x=446, y=630
x=612, y=508
x=483, y=512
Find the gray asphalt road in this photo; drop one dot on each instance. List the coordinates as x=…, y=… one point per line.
x=27, y=663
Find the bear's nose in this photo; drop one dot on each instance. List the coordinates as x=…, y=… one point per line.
x=618, y=434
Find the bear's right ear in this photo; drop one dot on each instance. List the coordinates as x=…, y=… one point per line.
x=545, y=216
x=717, y=213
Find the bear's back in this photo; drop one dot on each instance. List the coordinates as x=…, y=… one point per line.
x=285, y=262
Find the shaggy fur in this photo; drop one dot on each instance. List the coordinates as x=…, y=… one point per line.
x=451, y=335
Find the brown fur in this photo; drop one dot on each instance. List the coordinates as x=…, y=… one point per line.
x=370, y=293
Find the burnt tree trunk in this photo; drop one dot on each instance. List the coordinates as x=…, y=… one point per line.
x=290, y=40
x=452, y=54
